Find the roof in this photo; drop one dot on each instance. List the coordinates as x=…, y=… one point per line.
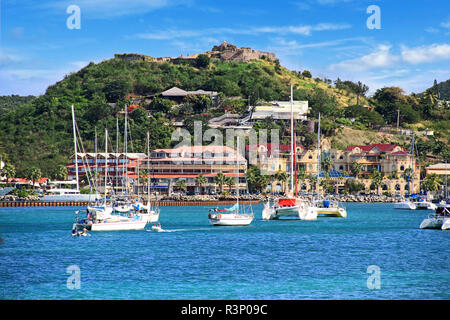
x=273, y=146
x=177, y=92
x=383, y=147
x=439, y=166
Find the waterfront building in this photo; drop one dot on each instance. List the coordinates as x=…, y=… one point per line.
x=122, y=168
x=187, y=163
x=392, y=161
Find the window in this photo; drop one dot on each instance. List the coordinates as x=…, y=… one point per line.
x=402, y=167
x=341, y=157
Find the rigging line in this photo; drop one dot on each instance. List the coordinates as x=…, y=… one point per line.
x=81, y=146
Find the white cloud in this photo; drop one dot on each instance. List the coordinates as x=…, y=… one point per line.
x=381, y=58
x=445, y=24
x=114, y=8
x=431, y=53
x=282, y=30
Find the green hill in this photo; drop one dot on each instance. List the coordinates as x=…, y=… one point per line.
x=39, y=132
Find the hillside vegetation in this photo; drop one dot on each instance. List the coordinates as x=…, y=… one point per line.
x=39, y=132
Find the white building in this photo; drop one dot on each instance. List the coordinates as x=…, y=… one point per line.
x=281, y=110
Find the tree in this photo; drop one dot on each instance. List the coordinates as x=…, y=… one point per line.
x=220, y=181
x=202, y=61
x=34, y=174
x=60, y=172
x=161, y=105
x=355, y=168
x=9, y=171
x=116, y=89
x=326, y=164
x=307, y=74
x=431, y=182
x=282, y=177
x=200, y=181
x=377, y=179
x=230, y=182
x=181, y=185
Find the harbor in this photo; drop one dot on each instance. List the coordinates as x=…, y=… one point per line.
x=323, y=259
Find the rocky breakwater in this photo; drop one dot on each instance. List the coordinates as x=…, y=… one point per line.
x=13, y=198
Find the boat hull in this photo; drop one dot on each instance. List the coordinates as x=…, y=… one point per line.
x=432, y=223
x=230, y=220
x=405, y=205
x=425, y=206
x=446, y=224
x=70, y=197
x=332, y=212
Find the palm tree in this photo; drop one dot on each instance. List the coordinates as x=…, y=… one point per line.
x=181, y=185
x=312, y=182
x=326, y=164
x=355, y=168
x=34, y=174
x=431, y=182
x=283, y=178
x=220, y=181
x=377, y=179
x=200, y=181
x=230, y=182
x=9, y=171
x=60, y=172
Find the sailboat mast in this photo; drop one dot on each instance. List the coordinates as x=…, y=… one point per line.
x=117, y=151
x=318, y=158
x=237, y=175
x=292, y=145
x=106, y=160
x=411, y=173
x=75, y=147
x=96, y=165
x=125, y=151
x=148, y=171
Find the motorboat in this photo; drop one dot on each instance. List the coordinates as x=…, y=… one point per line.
x=229, y=217
x=329, y=208
x=114, y=222
x=423, y=204
x=405, y=205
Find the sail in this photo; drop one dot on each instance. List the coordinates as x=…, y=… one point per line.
x=233, y=208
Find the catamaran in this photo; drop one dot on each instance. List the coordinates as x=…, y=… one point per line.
x=292, y=205
x=237, y=215
x=324, y=207
x=440, y=219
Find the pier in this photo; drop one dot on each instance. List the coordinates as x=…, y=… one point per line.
x=4, y=204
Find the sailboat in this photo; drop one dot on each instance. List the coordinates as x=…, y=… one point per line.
x=151, y=214
x=236, y=215
x=408, y=204
x=102, y=207
x=62, y=194
x=325, y=207
x=291, y=206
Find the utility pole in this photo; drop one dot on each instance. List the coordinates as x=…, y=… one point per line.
x=398, y=118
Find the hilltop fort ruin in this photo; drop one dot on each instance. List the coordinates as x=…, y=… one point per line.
x=225, y=51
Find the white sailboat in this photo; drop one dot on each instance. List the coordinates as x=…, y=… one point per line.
x=291, y=206
x=324, y=207
x=151, y=214
x=71, y=195
x=407, y=204
x=236, y=215
x=104, y=209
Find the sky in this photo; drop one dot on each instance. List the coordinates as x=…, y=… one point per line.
x=409, y=47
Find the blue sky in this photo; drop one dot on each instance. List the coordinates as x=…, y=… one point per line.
x=328, y=37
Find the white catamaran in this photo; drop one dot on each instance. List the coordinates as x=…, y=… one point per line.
x=291, y=206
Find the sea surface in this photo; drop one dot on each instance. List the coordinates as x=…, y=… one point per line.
x=331, y=258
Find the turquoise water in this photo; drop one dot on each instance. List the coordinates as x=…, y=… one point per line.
x=323, y=259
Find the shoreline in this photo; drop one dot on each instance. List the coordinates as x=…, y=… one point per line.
x=201, y=200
